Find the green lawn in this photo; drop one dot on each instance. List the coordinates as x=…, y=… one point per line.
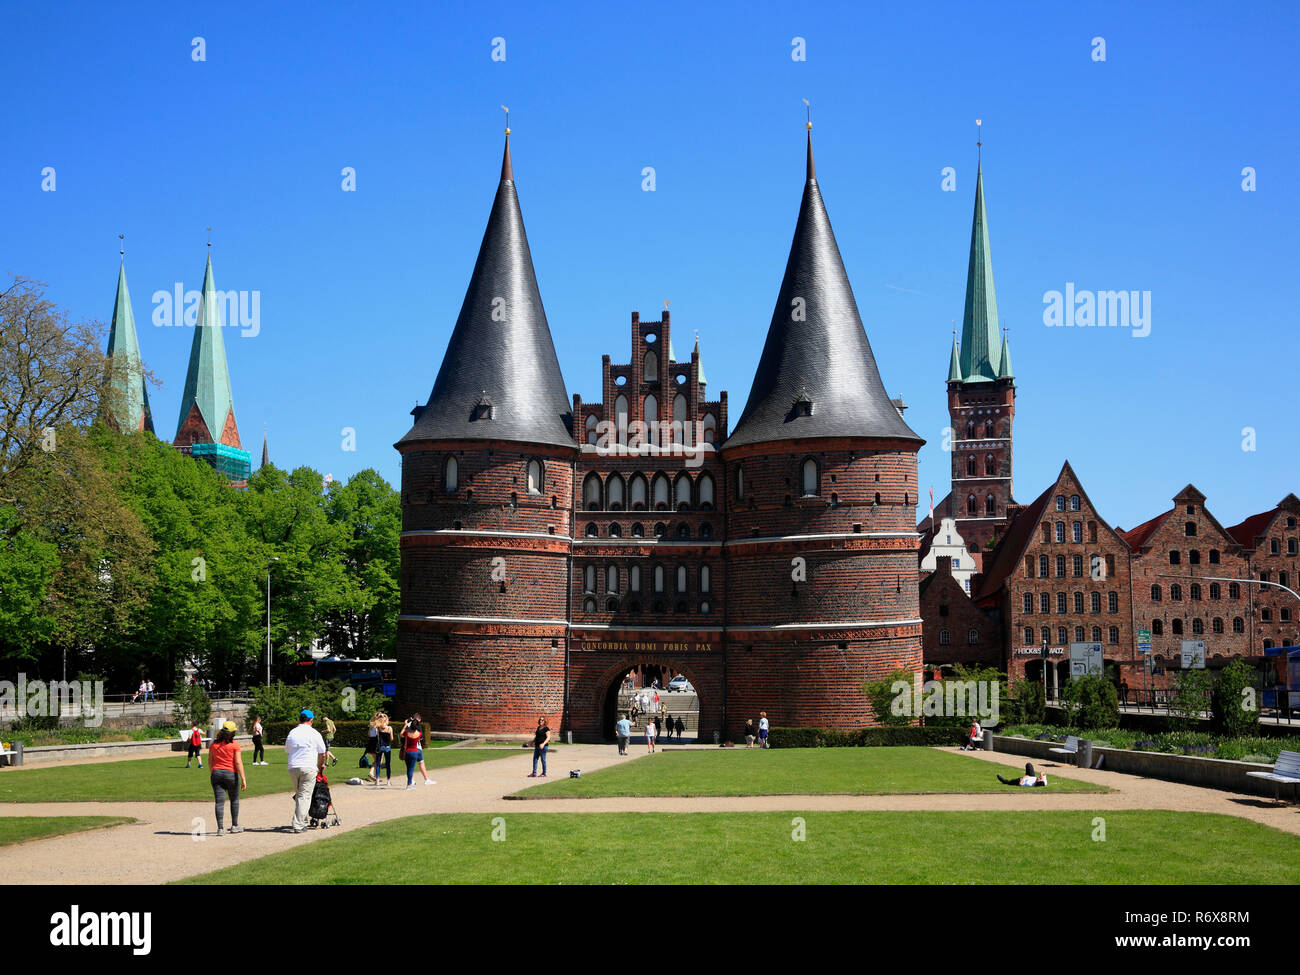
x=17, y=829
x=1041, y=847
x=168, y=780
x=797, y=771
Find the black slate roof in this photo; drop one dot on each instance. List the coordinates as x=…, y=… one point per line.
x=500, y=350
x=822, y=353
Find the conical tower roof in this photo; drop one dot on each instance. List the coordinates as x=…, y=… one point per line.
x=266, y=452
x=980, y=352
x=954, y=363
x=127, y=407
x=1004, y=361
x=703, y=381
x=816, y=347
x=207, y=408
x=500, y=354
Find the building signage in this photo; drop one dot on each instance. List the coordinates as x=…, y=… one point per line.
x=1038, y=651
x=642, y=646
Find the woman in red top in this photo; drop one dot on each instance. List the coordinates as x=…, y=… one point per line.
x=223, y=755
x=412, y=753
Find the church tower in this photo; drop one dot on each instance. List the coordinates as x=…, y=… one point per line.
x=981, y=400
x=487, y=488
x=206, y=428
x=822, y=589
x=126, y=403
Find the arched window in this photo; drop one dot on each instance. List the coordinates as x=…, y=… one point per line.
x=1194, y=591
x=1092, y=532
x=1156, y=593
x=1060, y=566
x=706, y=530
x=990, y=465
x=1198, y=627
x=971, y=509
x=1194, y=557
x=660, y=529
x=1076, y=531
x=1189, y=529
x=740, y=483
x=611, y=578
x=1062, y=606
x=1078, y=602
x=651, y=419
x=615, y=531
x=681, y=578
x=450, y=475
x=638, y=493
x=536, y=477
x=638, y=530
x=1047, y=534
x=1176, y=592
x=1174, y=557
x=661, y=492
x=1238, y=625
x=970, y=465
x=1078, y=634
x=972, y=636
x=1157, y=628
x=1112, y=602
x=659, y=578
x=591, y=492
x=679, y=408
x=683, y=530
x=1234, y=590
x=682, y=492
x=589, y=578
x=634, y=579
x=1095, y=601
x=1217, y=625
x=1047, y=634
x=970, y=429
x=944, y=638
x=990, y=429
x=1062, y=634
x=1029, y=636
x=651, y=366
x=1096, y=634
x=592, y=423
x=1113, y=635
x=589, y=605
x=706, y=492
x=1060, y=531
x=1045, y=602
x=706, y=578
x=1044, y=567
x=1029, y=602
x=611, y=605
x=809, y=477
x=1176, y=626
x=1216, y=591
x=592, y=530
x=709, y=428
x=990, y=506
x=621, y=418
x=1074, y=502
x=1077, y=566
x=1214, y=556
x=614, y=491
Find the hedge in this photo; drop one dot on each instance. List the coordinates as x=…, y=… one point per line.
x=347, y=734
x=861, y=737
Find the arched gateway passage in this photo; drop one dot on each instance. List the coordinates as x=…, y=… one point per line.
x=604, y=685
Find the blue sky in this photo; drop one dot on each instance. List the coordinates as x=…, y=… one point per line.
x=1122, y=174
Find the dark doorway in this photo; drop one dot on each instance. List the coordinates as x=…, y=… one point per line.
x=633, y=694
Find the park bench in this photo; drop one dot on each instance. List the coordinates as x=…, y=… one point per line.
x=1285, y=770
x=7, y=754
x=1071, y=746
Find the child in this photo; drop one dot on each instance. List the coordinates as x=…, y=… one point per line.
x=196, y=746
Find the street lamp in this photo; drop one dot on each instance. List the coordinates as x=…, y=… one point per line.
x=268, y=618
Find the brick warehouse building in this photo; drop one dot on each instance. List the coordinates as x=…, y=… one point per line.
x=549, y=547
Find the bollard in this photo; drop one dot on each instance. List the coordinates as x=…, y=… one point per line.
x=568, y=736
x=1083, y=758
x=17, y=759
x=988, y=739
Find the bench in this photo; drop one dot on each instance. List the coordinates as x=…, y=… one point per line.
x=1071, y=746
x=1285, y=770
x=7, y=754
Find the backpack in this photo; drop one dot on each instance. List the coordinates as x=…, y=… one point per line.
x=320, y=798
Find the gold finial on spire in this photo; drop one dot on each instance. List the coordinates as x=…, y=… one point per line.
x=979, y=142
x=808, y=113
x=507, y=111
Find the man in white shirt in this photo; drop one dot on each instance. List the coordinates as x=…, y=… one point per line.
x=762, y=729
x=305, y=750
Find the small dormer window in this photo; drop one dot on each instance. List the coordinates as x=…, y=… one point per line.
x=483, y=409
x=803, y=405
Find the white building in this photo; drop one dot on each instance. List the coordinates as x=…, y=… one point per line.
x=947, y=542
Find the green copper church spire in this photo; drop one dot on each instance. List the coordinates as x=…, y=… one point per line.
x=207, y=408
x=127, y=404
x=954, y=363
x=980, y=352
x=703, y=381
x=1004, y=363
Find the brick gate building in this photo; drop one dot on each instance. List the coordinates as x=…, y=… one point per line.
x=549, y=546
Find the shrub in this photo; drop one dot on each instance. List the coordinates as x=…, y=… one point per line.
x=881, y=693
x=1190, y=698
x=1232, y=702
x=886, y=736
x=190, y=705
x=1028, y=704
x=284, y=702
x=1090, y=702
x=347, y=734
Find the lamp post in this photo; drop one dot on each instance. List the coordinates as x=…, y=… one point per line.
x=268, y=618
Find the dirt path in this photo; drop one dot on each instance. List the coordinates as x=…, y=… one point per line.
x=161, y=847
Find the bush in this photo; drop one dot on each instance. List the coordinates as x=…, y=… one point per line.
x=190, y=705
x=1028, y=705
x=347, y=734
x=886, y=736
x=283, y=702
x=1190, y=698
x=881, y=694
x=1233, y=691
x=1090, y=702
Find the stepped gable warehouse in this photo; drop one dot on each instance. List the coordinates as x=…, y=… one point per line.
x=551, y=546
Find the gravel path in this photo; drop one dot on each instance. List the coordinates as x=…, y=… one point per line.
x=168, y=842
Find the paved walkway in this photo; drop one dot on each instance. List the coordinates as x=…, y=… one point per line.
x=162, y=847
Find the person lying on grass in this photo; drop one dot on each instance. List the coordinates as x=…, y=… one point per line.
x=1029, y=779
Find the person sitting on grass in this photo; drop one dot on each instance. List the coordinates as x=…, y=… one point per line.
x=1029, y=779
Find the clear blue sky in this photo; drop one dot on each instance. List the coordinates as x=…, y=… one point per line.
x=1123, y=174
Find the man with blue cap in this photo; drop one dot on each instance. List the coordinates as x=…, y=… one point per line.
x=305, y=750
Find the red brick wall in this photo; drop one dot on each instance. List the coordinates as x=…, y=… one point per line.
x=981, y=402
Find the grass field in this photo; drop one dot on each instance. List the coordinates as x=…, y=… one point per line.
x=797, y=771
x=167, y=779
x=1042, y=847
x=18, y=829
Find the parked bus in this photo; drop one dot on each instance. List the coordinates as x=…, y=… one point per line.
x=380, y=675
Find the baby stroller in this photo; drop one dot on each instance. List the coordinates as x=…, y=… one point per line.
x=321, y=813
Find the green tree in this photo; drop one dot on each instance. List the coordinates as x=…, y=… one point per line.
x=1030, y=704
x=362, y=620
x=190, y=704
x=1090, y=702
x=1189, y=700
x=1233, y=705
x=882, y=694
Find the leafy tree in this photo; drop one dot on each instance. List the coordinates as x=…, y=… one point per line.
x=362, y=621
x=1189, y=700
x=881, y=694
x=1030, y=705
x=283, y=702
x=1232, y=702
x=1091, y=702
x=190, y=704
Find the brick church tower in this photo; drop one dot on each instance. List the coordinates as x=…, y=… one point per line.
x=981, y=401
x=487, y=482
x=822, y=589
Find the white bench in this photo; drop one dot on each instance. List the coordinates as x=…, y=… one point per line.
x=1071, y=746
x=1285, y=771
x=8, y=754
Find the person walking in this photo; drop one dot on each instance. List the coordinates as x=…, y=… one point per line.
x=329, y=732
x=305, y=750
x=227, y=776
x=148, y=694
x=259, y=753
x=412, y=753
x=541, y=743
x=681, y=729
x=667, y=725
x=383, y=749
x=650, y=734
x=762, y=729
x=623, y=729
x=196, y=746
